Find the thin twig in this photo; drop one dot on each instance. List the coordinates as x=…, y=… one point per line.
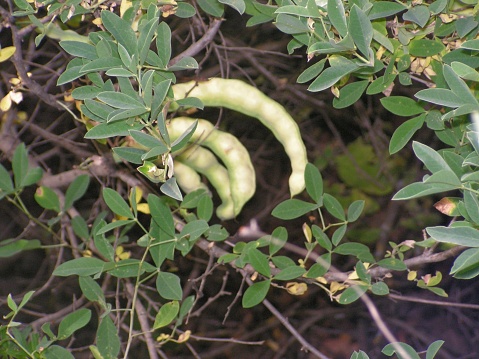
x=196, y=47
x=142, y=316
x=433, y=302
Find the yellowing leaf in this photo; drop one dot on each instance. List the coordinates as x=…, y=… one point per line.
x=296, y=288
x=335, y=286
x=184, y=336
x=6, y=53
x=412, y=275
x=5, y=103
x=143, y=208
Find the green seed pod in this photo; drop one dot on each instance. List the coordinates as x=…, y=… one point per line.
x=203, y=161
x=188, y=178
x=244, y=98
x=242, y=179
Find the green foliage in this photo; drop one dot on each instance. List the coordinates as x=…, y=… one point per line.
x=128, y=73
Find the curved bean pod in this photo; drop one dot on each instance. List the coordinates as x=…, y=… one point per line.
x=201, y=160
x=229, y=149
x=239, y=96
x=187, y=177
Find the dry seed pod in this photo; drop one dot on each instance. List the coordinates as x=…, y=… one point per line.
x=239, y=96
x=242, y=179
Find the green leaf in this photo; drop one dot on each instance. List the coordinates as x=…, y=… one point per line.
x=57, y=352
x=392, y=263
x=311, y=72
x=216, y=233
x=212, y=7
x=352, y=294
x=185, y=10
x=101, y=64
x=119, y=72
x=163, y=42
x=91, y=289
x=463, y=236
x=458, y=86
x=466, y=265
x=314, y=182
x=113, y=225
x=129, y=268
x=333, y=206
x=181, y=141
x=425, y=47
x=332, y=74
x=146, y=140
x=404, y=133
x=79, y=49
x=185, y=63
x=20, y=165
x=279, y=237
x=130, y=154
x=355, y=209
x=70, y=74
x=293, y=208
x=383, y=9
x=76, y=190
x=112, y=129
x=418, y=189
x=116, y=203
x=442, y=97
x=431, y=158
x=72, y=322
x=470, y=45
x=259, y=261
x=47, y=198
x=380, y=288
x=350, y=93
x=402, y=106
x=120, y=100
x=144, y=40
x=86, y=92
x=161, y=214
x=255, y=294
x=238, y=5
x=166, y=314
x=433, y=349
x=11, y=303
x=171, y=189
x=168, y=286
x=361, y=30
x=290, y=24
x=338, y=234
x=107, y=339
x=194, y=230
x=418, y=15
x=290, y=273
x=471, y=203
x=321, y=237
x=464, y=71
x=438, y=6
x=25, y=299
x=9, y=247
x=359, y=250
x=80, y=266
x=121, y=30
x=390, y=350
x=205, y=208
x=6, y=184
x=318, y=269
x=337, y=16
